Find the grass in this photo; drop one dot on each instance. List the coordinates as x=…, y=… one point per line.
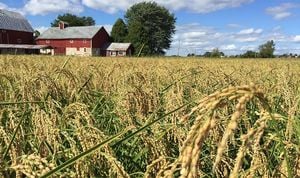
x=149, y=117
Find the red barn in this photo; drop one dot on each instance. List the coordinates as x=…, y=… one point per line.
x=83, y=41
x=14, y=28
x=16, y=34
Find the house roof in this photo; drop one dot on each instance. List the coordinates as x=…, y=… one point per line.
x=117, y=46
x=14, y=21
x=23, y=46
x=84, y=32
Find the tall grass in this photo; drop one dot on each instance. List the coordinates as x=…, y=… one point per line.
x=108, y=117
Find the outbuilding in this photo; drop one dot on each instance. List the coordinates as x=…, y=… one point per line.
x=118, y=49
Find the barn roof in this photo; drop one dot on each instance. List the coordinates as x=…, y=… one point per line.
x=117, y=46
x=85, y=32
x=14, y=21
x=23, y=46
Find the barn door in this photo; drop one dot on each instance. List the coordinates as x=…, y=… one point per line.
x=60, y=51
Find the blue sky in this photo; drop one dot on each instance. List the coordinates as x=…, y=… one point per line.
x=233, y=26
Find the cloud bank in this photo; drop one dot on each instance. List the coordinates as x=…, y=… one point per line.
x=43, y=7
x=281, y=11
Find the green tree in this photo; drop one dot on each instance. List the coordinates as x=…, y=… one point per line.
x=119, y=31
x=216, y=53
x=36, y=34
x=267, y=50
x=150, y=28
x=73, y=20
x=191, y=55
x=249, y=54
x=207, y=54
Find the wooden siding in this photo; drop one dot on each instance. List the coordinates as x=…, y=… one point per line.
x=60, y=46
x=119, y=53
x=101, y=38
x=15, y=37
x=79, y=51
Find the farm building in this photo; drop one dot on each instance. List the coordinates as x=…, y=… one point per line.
x=16, y=34
x=83, y=41
x=118, y=49
x=22, y=48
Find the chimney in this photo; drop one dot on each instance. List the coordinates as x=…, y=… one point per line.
x=62, y=25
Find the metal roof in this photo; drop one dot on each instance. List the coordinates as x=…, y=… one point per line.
x=117, y=46
x=84, y=32
x=14, y=21
x=23, y=46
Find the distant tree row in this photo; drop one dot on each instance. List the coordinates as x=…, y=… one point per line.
x=215, y=53
x=266, y=50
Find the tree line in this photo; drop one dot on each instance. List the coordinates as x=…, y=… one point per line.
x=265, y=50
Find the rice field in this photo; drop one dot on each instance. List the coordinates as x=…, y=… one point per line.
x=149, y=117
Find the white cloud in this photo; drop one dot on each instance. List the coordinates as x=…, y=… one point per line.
x=250, y=31
x=248, y=48
x=247, y=35
x=194, y=35
x=233, y=25
x=228, y=47
x=41, y=29
x=282, y=11
x=110, y=6
x=43, y=7
x=3, y=6
x=277, y=28
x=198, y=6
x=296, y=38
x=282, y=15
x=247, y=39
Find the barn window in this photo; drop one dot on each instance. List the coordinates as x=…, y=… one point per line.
x=121, y=53
x=47, y=41
x=71, y=41
x=84, y=49
x=19, y=40
x=78, y=49
x=84, y=41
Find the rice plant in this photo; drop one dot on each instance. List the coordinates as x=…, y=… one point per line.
x=149, y=117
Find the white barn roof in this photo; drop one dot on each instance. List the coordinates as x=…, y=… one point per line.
x=117, y=46
x=24, y=46
x=14, y=21
x=84, y=32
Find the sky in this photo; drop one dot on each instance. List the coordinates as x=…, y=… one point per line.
x=232, y=26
